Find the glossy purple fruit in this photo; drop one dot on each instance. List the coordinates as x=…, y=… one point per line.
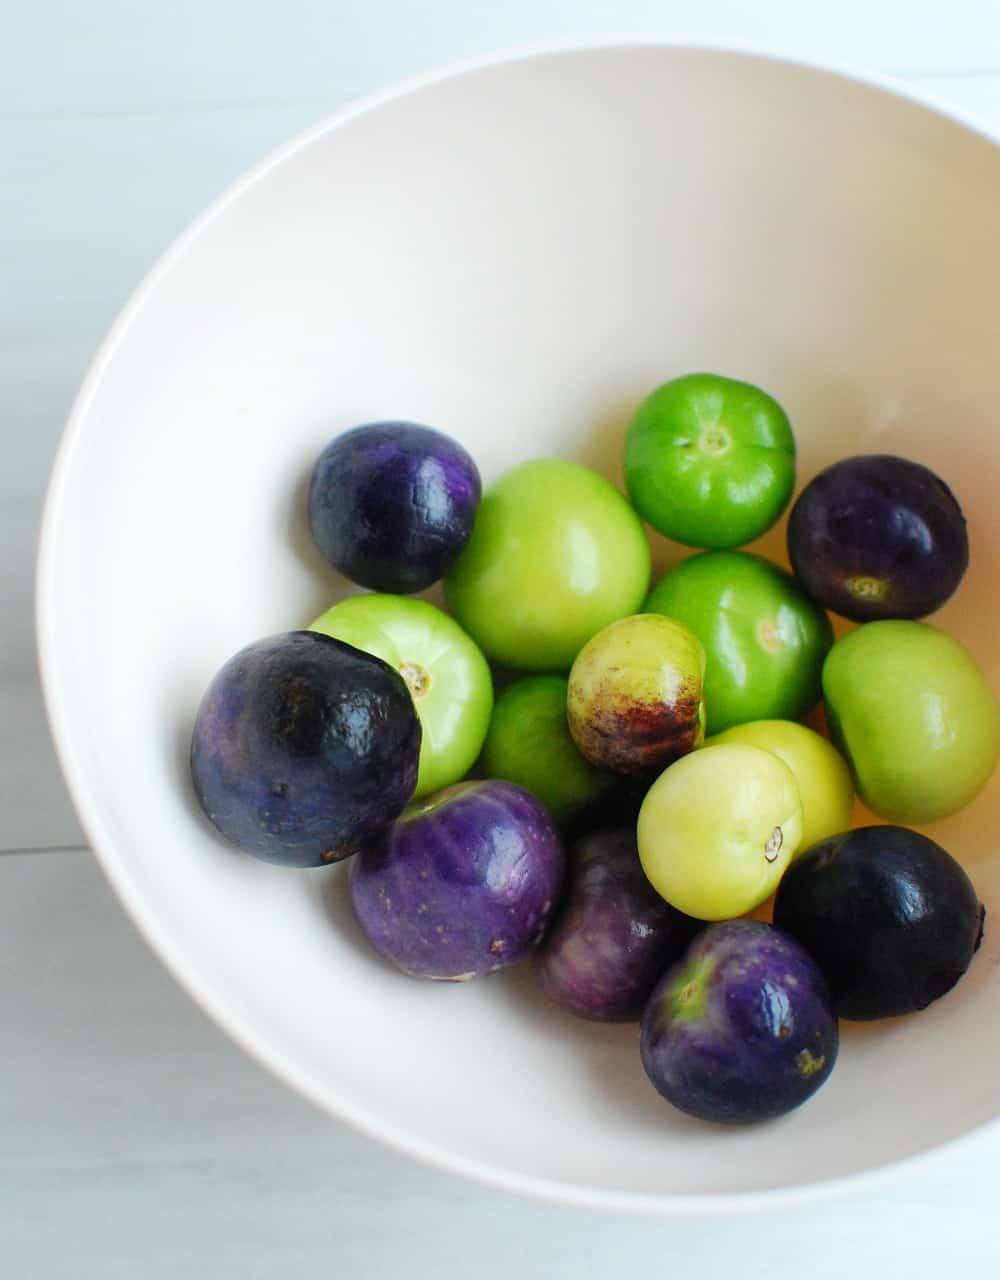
x=890, y=917
x=742, y=1028
x=392, y=504
x=614, y=936
x=302, y=747
x=878, y=537
x=464, y=883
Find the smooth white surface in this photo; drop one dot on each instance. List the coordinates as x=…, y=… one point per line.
x=148, y=1145
x=516, y=254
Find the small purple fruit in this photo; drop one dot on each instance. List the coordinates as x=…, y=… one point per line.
x=889, y=916
x=614, y=935
x=462, y=884
x=302, y=747
x=876, y=537
x=391, y=504
x=742, y=1028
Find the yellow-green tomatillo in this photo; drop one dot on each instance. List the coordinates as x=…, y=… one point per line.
x=823, y=778
x=718, y=828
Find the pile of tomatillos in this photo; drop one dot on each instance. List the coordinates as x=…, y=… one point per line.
x=617, y=776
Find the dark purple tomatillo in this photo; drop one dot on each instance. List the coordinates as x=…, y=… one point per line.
x=742, y=1029
x=877, y=537
x=391, y=504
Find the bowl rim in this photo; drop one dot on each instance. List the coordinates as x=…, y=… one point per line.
x=145, y=916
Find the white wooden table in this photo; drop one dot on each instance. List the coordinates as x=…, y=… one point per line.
x=135, y=1139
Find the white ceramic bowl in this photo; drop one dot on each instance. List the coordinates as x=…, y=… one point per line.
x=515, y=252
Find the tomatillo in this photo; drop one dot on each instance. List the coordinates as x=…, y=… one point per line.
x=529, y=743
x=556, y=554
x=824, y=780
x=718, y=828
x=710, y=461
x=764, y=639
x=915, y=716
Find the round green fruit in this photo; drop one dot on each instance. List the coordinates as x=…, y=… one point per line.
x=718, y=828
x=915, y=717
x=822, y=775
x=448, y=678
x=634, y=702
x=529, y=743
x=555, y=555
x=764, y=639
x=710, y=461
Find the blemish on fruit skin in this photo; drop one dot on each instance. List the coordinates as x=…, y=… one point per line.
x=773, y=846
x=769, y=635
x=715, y=440
x=346, y=850
x=865, y=587
x=417, y=678
x=806, y=1064
x=637, y=737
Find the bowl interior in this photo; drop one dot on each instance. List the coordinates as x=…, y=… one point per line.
x=515, y=254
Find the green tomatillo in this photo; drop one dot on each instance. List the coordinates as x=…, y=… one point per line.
x=710, y=461
x=915, y=716
x=556, y=554
x=764, y=639
x=529, y=743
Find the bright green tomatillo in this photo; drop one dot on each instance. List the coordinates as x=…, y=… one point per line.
x=710, y=461
x=764, y=639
